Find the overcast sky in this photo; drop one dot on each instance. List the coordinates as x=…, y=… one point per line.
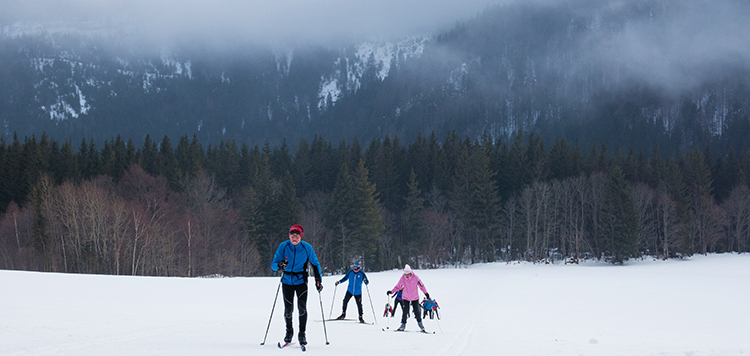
x=676, y=51
x=305, y=21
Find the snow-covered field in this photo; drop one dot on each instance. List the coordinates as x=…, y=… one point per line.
x=693, y=307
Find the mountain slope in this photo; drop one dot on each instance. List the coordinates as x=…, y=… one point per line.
x=631, y=73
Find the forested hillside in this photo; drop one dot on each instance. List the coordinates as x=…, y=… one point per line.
x=186, y=210
x=629, y=73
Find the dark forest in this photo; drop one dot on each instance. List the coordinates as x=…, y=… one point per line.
x=182, y=209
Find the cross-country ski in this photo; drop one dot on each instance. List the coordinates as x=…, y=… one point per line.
x=285, y=345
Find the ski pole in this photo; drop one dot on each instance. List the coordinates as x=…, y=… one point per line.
x=439, y=327
x=272, y=309
x=437, y=320
x=330, y=314
x=371, y=306
x=323, y=314
x=388, y=317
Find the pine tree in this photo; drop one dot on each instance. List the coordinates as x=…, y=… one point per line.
x=485, y=202
x=149, y=157
x=354, y=214
x=370, y=225
x=340, y=212
x=619, y=219
x=288, y=206
x=413, y=222
x=169, y=166
x=705, y=218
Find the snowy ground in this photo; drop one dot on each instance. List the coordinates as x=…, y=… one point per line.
x=699, y=306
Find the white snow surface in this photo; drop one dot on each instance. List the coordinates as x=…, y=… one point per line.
x=692, y=307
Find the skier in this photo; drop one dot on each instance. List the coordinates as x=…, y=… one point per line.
x=388, y=312
x=293, y=257
x=355, y=276
x=430, y=307
x=409, y=283
x=397, y=302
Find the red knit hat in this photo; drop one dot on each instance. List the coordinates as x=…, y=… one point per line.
x=299, y=228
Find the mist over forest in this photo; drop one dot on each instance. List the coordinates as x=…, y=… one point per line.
x=629, y=73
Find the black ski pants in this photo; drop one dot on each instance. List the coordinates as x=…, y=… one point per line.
x=289, y=291
x=405, y=310
x=357, y=298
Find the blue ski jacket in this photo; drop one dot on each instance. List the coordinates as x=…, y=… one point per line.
x=298, y=258
x=355, y=281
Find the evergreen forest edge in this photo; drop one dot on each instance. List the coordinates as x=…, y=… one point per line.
x=189, y=211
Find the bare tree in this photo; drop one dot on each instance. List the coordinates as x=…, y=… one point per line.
x=508, y=222
x=594, y=203
x=708, y=221
x=737, y=208
x=643, y=201
x=438, y=232
x=668, y=224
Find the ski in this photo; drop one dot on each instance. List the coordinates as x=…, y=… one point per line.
x=349, y=320
x=421, y=331
x=284, y=345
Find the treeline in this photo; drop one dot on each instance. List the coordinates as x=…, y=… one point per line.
x=186, y=210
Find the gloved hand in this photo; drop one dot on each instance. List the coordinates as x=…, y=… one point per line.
x=367, y=282
x=282, y=264
x=319, y=285
x=337, y=283
x=388, y=292
x=427, y=295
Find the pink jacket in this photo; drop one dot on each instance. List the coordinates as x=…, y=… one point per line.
x=409, y=287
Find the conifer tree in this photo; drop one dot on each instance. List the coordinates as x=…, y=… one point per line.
x=413, y=222
x=676, y=188
x=619, y=219
x=340, y=213
x=705, y=219
x=288, y=206
x=370, y=225
x=149, y=157
x=485, y=202
x=354, y=214
x=169, y=166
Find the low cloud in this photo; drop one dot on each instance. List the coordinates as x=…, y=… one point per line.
x=259, y=21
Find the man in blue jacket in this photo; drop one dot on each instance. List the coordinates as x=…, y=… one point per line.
x=355, y=277
x=293, y=257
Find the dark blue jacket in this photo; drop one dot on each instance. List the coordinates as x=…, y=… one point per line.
x=298, y=258
x=355, y=281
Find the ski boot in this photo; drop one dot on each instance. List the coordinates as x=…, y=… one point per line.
x=289, y=335
x=401, y=328
x=341, y=317
x=302, y=339
x=361, y=319
x=421, y=326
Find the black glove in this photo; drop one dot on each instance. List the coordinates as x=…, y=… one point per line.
x=427, y=295
x=337, y=283
x=388, y=292
x=367, y=282
x=319, y=285
x=282, y=264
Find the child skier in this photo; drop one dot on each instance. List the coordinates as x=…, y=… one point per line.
x=355, y=277
x=410, y=284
